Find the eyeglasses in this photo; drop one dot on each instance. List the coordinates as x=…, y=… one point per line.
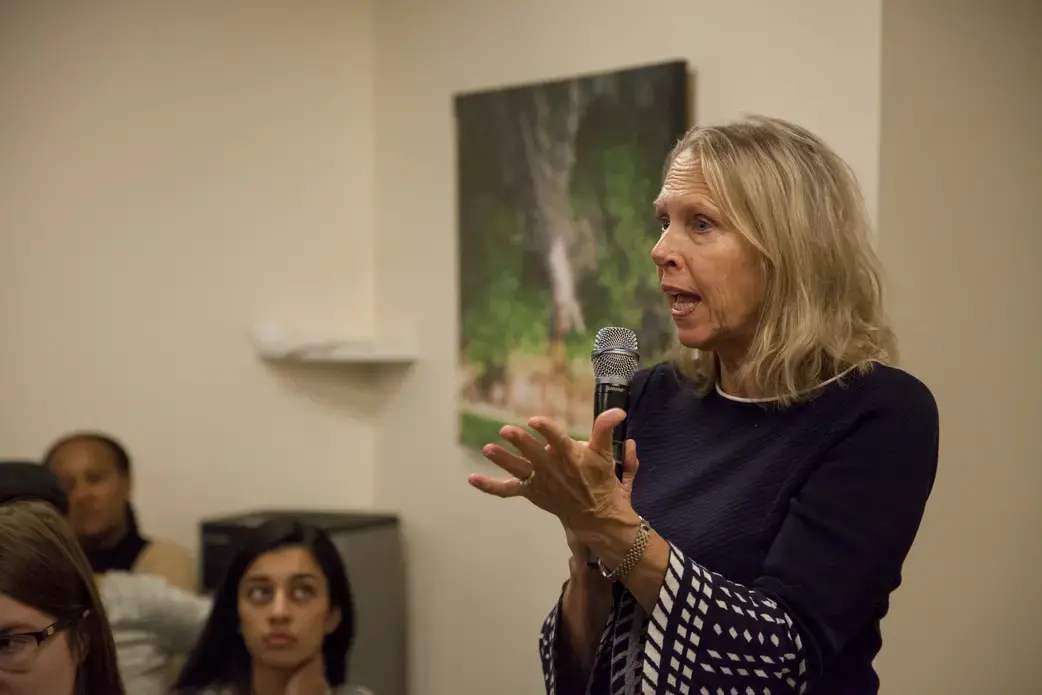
x=18, y=651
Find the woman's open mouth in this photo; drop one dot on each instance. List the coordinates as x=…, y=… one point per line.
x=682, y=304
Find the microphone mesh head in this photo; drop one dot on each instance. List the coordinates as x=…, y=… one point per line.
x=615, y=353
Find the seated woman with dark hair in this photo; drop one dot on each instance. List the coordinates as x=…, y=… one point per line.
x=282, y=620
x=96, y=472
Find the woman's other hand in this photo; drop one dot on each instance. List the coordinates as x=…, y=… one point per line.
x=573, y=480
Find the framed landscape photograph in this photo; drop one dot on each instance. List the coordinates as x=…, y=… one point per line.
x=556, y=182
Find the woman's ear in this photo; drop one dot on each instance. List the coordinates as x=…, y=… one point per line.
x=333, y=621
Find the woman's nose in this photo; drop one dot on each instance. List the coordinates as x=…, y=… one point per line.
x=279, y=606
x=664, y=254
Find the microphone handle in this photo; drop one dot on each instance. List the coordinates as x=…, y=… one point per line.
x=606, y=397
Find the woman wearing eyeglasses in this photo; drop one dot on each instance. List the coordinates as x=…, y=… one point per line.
x=150, y=618
x=54, y=636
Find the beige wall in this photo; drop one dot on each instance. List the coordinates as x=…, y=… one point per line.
x=170, y=172
x=485, y=572
x=961, y=183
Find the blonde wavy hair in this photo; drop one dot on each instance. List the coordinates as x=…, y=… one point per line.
x=800, y=206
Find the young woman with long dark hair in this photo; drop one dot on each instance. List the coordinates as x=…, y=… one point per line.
x=282, y=621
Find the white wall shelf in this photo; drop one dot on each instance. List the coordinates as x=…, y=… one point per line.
x=338, y=351
x=273, y=343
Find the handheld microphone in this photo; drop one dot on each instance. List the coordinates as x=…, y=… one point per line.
x=615, y=360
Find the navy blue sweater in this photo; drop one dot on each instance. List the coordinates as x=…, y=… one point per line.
x=788, y=527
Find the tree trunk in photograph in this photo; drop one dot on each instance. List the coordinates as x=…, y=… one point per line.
x=550, y=150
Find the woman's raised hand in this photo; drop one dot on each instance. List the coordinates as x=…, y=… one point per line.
x=573, y=480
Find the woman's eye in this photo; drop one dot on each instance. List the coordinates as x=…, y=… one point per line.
x=259, y=594
x=663, y=223
x=303, y=593
x=701, y=224
x=16, y=644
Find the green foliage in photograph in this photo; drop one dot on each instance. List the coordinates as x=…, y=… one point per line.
x=556, y=185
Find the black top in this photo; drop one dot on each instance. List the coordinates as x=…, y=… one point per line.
x=119, y=557
x=788, y=526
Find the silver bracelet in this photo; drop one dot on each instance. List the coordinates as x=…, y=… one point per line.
x=632, y=557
